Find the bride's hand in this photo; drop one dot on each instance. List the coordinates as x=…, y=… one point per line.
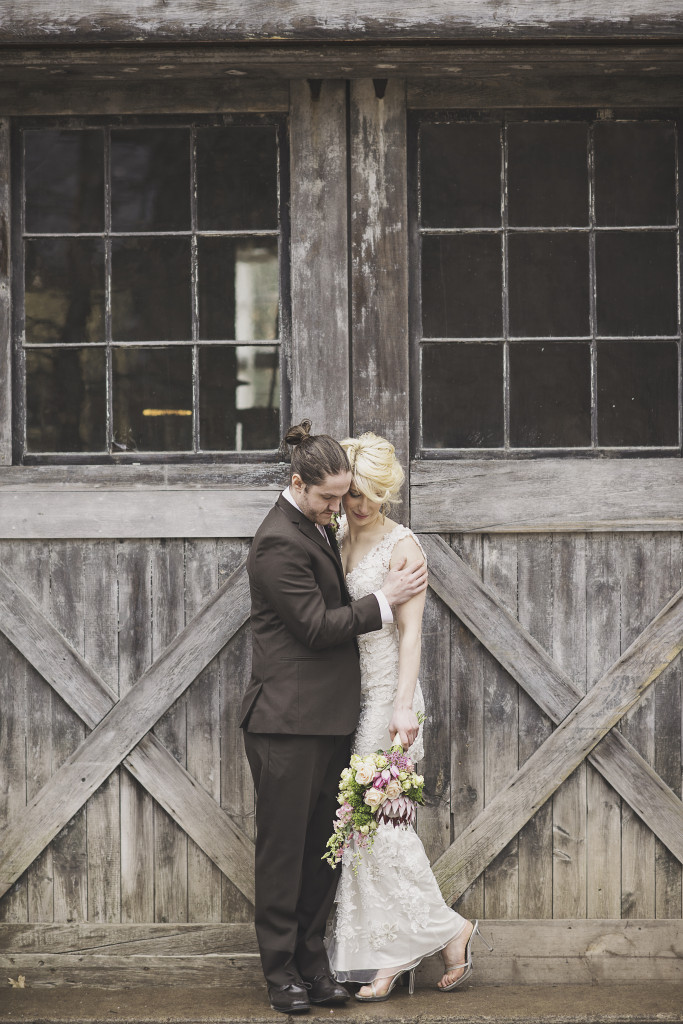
x=404, y=722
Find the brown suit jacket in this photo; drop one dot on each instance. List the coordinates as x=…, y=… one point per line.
x=305, y=676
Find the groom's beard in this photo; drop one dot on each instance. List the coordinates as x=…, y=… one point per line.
x=321, y=518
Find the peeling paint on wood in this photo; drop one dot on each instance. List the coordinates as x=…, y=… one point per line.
x=140, y=20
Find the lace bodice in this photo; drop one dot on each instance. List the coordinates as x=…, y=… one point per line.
x=379, y=649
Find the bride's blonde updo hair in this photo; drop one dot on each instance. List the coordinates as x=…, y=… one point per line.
x=376, y=472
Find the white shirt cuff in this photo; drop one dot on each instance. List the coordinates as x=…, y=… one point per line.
x=384, y=607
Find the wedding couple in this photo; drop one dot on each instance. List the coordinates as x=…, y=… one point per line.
x=336, y=625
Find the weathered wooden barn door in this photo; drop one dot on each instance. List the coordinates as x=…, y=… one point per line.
x=503, y=331
x=542, y=245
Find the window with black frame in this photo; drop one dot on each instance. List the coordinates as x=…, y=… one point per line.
x=547, y=285
x=148, y=290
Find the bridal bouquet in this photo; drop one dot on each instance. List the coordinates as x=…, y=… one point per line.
x=379, y=787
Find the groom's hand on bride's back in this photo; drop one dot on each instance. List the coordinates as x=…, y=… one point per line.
x=405, y=581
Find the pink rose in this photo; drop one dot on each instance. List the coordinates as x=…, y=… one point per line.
x=393, y=790
x=373, y=798
x=364, y=774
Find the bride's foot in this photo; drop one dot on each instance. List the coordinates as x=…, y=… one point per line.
x=455, y=953
x=379, y=987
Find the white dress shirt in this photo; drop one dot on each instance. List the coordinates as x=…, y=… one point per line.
x=384, y=606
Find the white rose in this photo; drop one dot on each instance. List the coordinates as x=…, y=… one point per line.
x=393, y=789
x=403, y=776
x=374, y=797
x=364, y=774
x=406, y=785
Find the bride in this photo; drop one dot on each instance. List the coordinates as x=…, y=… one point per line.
x=390, y=913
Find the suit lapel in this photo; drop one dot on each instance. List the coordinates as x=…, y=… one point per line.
x=311, y=530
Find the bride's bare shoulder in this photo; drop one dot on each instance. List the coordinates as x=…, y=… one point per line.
x=406, y=548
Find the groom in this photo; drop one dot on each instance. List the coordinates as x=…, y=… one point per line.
x=299, y=711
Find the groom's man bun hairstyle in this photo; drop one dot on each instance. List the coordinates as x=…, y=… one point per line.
x=313, y=456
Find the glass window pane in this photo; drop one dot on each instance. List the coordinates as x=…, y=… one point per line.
x=238, y=289
x=64, y=177
x=152, y=399
x=151, y=296
x=548, y=174
x=462, y=396
x=550, y=394
x=461, y=286
x=239, y=397
x=64, y=290
x=635, y=173
x=65, y=400
x=460, y=175
x=237, y=178
x=637, y=393
x=549, y=284
x=636, y=282
x=150, y=179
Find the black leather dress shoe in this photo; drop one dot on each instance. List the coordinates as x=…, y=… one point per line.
x=291, y=998
x=324, y=989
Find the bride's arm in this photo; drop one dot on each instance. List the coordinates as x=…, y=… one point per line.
x=409, y=621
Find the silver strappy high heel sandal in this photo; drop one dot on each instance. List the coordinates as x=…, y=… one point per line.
x=468, y=961
x=374, y=998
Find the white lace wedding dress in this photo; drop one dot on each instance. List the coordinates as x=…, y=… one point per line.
x=390, y=912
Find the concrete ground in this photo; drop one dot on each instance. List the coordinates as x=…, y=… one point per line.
x=648, y=1003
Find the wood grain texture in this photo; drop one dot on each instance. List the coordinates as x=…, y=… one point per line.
x=560, y=85
x=668, y=727
x=168, y=619
x=38, y=95
x=568, y=649
x=379, y=267
x=501, y=726
x=69, y=850
x=236, y=784
x=468, y=658
x=536, y=614
x=124, y=726
x=435, y=73
x=493, y=496
x=5, y=299
x=203, y=726
x=555, y=952
x=639, y=601
x=240, y=20
x=597, y=713
x=318, y=247
x=603, y=803
x=479, y=609
x=100, y=650
x=138, y=514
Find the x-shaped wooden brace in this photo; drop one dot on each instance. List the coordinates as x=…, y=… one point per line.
x=584, y=721
x=121, y=727
x=121, y=732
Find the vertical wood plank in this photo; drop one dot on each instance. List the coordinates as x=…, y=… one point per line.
x=203, y=731
x=28, y=563
x=100, y=607
x=135, y=655
x=170, y=842
x=5, y=299
x=603, y=805
x=639, y=606
x=319, y=239
x=569, y=651
x=467, y=728
x=379, y=266
x=668, y=728
x=535, y=559
x=501, y=715
x=13, y=712
x=237, y=788
x=434, y=819
x=69, y=848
